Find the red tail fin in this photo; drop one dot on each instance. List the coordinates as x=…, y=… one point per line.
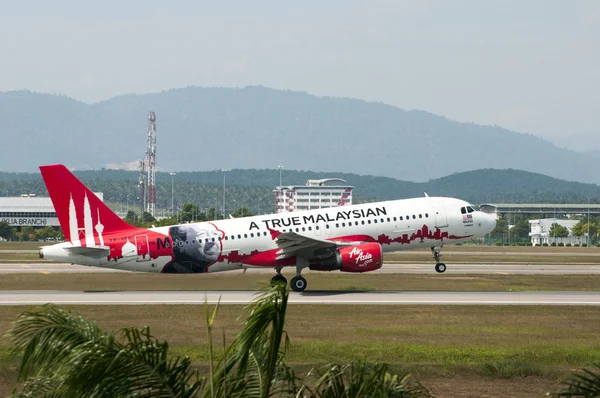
x=83, y=217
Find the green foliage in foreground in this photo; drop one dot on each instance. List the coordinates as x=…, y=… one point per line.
x=584, y=383
x=66, y=355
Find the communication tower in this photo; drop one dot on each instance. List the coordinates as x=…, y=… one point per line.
x=151, y=163
x=142, y=187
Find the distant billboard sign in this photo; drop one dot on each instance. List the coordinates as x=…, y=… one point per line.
x=31, y=221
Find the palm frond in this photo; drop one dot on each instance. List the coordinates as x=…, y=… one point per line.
x=47, y=336
x=89, y=362
x=361, y=379
x=257, y=348
x=583, y=383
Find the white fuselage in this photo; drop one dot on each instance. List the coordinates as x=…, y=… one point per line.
x=228, y=244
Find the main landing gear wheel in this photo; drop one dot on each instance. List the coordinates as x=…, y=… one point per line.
x=440, y=267
x=278, y=278
x=298, y=284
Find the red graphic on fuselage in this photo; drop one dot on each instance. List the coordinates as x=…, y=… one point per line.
x=421, y=235
x=139, y=244
x=404, y=239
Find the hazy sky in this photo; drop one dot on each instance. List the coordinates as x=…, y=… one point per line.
x=528, y=65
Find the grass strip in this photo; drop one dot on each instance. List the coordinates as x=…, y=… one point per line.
x=458, y=343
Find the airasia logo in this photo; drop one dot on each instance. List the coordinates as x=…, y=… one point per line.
x=362, y=259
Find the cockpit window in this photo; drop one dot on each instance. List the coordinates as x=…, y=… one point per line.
x=470, y=209
x=463, y=210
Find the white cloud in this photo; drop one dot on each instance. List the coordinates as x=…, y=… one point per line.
x=129, y=166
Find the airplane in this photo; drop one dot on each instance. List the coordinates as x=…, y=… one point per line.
x=349, y=238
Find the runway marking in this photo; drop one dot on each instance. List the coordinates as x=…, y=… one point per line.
x=45, y=272
x=25, y=266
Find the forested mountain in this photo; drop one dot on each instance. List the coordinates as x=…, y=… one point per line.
x=256, y=127
x=253, y=188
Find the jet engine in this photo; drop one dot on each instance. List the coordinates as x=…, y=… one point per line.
x=361, y=258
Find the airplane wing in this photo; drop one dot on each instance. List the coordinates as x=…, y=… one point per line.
x=292, y=244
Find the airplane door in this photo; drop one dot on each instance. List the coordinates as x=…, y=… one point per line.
x=441, y=220
x=143, y=249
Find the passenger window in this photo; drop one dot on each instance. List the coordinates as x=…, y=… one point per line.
x=414, y=217
x=401, y=218
x=252, y=235
x=420, y=215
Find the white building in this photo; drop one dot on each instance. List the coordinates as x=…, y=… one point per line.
x=540, y=232
x=30, y=210
x=316, y=194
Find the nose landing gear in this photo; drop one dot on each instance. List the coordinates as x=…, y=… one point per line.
x=439, y=266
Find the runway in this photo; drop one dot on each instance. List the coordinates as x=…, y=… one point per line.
x=22, y=297
x=499, y=269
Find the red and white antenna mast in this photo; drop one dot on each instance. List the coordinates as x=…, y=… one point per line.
x=151, y=163
x=142, y=187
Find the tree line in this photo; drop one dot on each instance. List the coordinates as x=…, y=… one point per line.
x=253, y=188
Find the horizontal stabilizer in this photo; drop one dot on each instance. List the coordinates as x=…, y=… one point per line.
x=93, y=251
